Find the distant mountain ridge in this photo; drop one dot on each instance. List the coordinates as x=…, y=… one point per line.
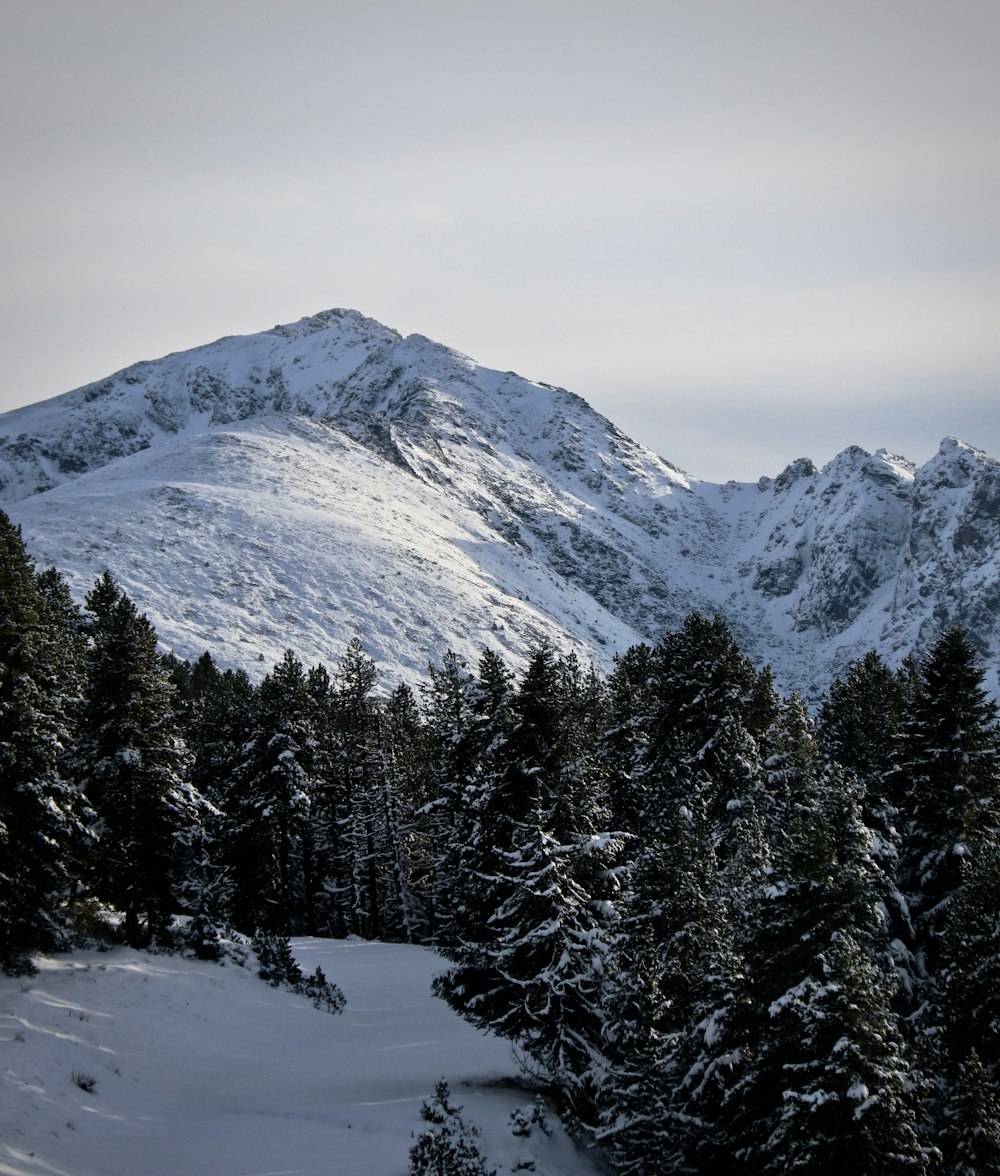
x=329, y=479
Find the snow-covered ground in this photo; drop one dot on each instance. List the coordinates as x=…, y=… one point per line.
x=204, y=1070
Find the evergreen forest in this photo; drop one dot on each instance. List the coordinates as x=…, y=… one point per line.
x=723, y=932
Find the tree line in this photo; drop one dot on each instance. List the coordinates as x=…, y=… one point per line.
x=725, y=933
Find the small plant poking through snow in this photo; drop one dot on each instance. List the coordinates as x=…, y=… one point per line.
x=277, y=966
x=448, y=1146
x=86, y=1082
x=524, y=1119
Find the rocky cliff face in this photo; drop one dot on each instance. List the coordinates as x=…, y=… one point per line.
x=330, y=478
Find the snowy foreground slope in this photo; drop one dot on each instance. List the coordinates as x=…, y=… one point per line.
x=199, y=1068
x=330, y=479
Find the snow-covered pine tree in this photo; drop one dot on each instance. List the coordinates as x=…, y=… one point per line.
x=403, y=772
x=448, y=816
x=968, y=1135
x=962, y=1019
x=219, y=715
x=353, y=809
x=270, y=807
x=476, y=807
x=860, y=725
x=543, y=958
x=712, y=709
x=447, y=1147
x=672, y=982
x=860, y=728
x=630, y=703
x=40, y=810
x=132, y=762
x=697, y=778
x=826, y=1086
x=950, y=795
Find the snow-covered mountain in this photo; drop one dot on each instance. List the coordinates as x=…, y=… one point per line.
x=331, y=479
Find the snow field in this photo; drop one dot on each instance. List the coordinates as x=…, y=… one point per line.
x=203, y=1070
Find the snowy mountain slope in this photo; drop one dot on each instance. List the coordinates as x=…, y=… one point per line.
x=198, y=1068
x=330, y=478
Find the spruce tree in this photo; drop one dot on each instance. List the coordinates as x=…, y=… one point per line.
x=950, y=794
x=351, y=815
x=40, y=811
x=270, y=809
x=538, y=974
x=826, y=1086
x=449, y=812
x=403, y=772
x=447, y=1146
x=132, y=761
x=623, y=744
x=673, y=983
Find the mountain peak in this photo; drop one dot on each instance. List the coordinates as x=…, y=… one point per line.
x=338, y=317
x=329, y=478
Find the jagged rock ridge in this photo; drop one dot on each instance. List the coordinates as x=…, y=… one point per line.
x=331, y=478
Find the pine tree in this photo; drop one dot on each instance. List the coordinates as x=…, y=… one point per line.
x=131, y=760
x=540, y=967
x=950, y=795
x=448, y=1146
x=403, y=786
x=623, y=744
x=478, y=816
x=969, y=1137
x=962, y=1019
x=351, y=803
x=449, y=812
x=712, y=709
x=826, y=1086
x=40, y=810
x=672, y=987
x=860, y=728
x=270, y=809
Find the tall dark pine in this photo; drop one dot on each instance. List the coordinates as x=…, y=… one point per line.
x=270, y=807
x=403, y=783
x=669, y=995
x=950, y=794
x=132, y=761
x=357, y=770
x=712, y=709
x=538, y=977
x=449, y=816
x=698, y=782
x=40, y=811
x=475, y=812
x=860, y=728
x=826, y=1086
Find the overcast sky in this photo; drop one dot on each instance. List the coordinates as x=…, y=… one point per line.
x=746, y=231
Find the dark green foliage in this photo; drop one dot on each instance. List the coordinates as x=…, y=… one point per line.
x=41, y=812
x=951, y=790
x=448, y=1146
x=277, y=966
x=131, y=761
x=531, y=968
x=825, y=1086
x=270, y=804
x=672, y=983
x=969, y=1138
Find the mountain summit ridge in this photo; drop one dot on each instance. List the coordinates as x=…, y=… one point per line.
x=332, y=478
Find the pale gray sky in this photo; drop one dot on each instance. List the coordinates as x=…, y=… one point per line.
x=746, y=230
